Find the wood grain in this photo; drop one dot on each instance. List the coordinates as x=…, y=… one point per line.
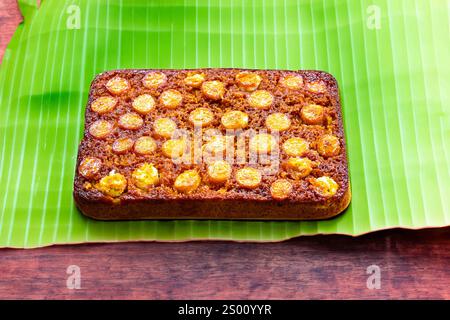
x=414, y=264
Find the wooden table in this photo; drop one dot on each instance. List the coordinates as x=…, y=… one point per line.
x=413, y=264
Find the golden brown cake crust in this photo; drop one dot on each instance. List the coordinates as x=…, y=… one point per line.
x=211, y=200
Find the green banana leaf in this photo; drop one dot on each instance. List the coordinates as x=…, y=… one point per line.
x=391, y=59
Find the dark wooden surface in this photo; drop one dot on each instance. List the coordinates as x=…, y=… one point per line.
x=413, y=264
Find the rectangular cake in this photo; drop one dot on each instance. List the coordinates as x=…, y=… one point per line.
x=212, y=144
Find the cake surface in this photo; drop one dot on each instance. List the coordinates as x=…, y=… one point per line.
x=212, y=144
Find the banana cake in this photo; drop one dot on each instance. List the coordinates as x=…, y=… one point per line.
x=212, y=144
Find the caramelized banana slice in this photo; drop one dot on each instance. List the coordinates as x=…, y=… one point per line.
x=260, y=99
x=130, y=121
x=316, y=87
x=145, y=145
x=216, y=145
x=194, y=80
x=298, y=167
x=328, y=145
x=281, y=189
x=117, y=85
x=201, y=117
x=153, y=80
x=278, y=122
x=219, y=171
x=104, y=105
x=188, y=181
x=248, y=177
x=100, y=129
x=89, y=167
x=122, y=145
x=248, y=81
x=143, y=104
x=174, y=148
x=171, y=99
x=325, y=186
x=145, y=176
x=262, y=143
x=214, y=90
x=295, y=147
x=234, y=120
x=164, y=127
x=113, y=184
x=292, y=82
x=312, y=114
